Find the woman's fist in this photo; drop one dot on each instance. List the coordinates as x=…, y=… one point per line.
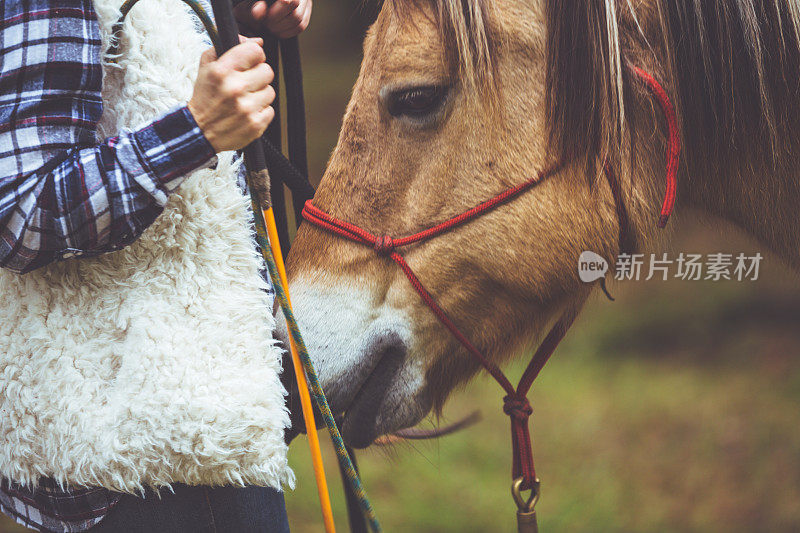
x=232, y=96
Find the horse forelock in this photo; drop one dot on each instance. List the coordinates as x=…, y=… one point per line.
x=466, y=29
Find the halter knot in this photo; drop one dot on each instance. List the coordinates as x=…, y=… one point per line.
x=516, y=407
x=384, y=245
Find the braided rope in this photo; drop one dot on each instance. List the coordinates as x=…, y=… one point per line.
x=316, y=389
x=515, y=402
x=673, y=140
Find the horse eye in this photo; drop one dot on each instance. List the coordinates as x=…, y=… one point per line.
x=416, y=102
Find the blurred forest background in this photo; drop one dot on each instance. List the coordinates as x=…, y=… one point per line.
x=675, y=408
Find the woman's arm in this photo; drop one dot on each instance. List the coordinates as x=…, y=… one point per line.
x=61, y=193
x=96, y=199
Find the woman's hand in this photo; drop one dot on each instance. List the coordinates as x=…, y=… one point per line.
x=284, y=18
x=232, y=96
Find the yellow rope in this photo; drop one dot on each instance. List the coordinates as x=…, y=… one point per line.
x=302, y=384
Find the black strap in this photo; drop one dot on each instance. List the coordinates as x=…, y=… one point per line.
x=355, y=516
x=293, y=173
x=284, y=56
x=296, y=124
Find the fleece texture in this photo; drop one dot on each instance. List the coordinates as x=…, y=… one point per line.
x=154, y=364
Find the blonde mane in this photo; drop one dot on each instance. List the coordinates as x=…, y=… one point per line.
x=733, y=67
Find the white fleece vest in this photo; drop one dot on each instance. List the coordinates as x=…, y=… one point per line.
x=154, y=364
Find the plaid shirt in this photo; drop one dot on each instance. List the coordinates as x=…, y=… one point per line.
x=63, y=193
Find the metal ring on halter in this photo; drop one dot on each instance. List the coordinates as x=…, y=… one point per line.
x=523, y=504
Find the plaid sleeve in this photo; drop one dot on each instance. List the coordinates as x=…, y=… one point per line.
x=61, y=193
x=97, y=199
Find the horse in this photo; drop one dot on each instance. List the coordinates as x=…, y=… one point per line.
x=458, y=100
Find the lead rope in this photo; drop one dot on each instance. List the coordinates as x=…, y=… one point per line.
x=258, y=182
x=515, y=402
x=266, y=237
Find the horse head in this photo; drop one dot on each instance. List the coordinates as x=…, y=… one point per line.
x=456, y=102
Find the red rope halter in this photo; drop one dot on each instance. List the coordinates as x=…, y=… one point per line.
x=515, y=403
x=673, y=141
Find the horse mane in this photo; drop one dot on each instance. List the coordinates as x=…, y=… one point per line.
x=732, y=65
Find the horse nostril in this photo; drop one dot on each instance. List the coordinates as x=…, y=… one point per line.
x=384, y=355
x=387, y=349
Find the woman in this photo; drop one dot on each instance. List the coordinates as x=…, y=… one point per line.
x=139, y=389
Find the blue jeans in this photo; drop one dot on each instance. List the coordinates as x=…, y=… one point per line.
x=199, y=510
